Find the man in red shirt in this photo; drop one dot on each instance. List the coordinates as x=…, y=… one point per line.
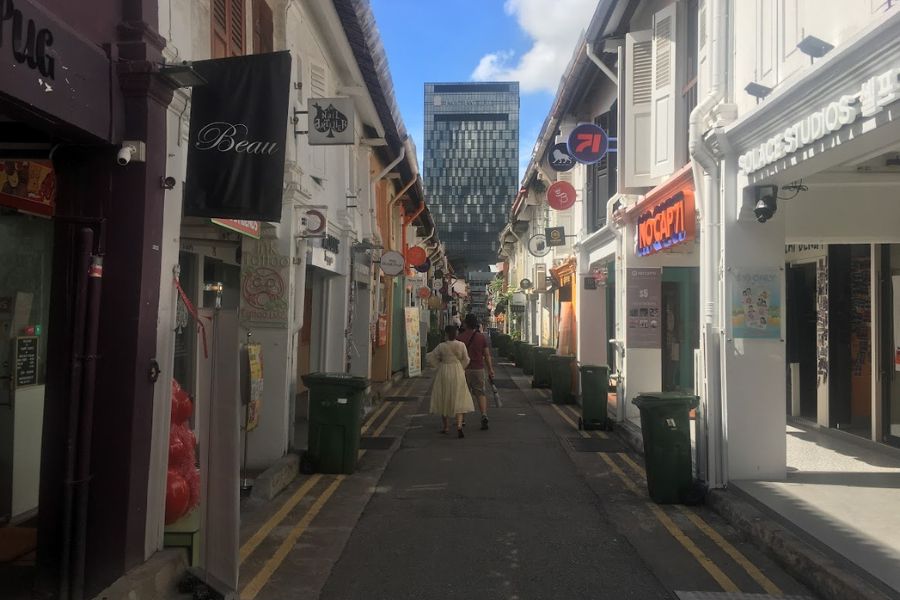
x=479, y=356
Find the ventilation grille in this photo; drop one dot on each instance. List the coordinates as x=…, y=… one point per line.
x=318, y=81
x=663, y=41
x=643, y=72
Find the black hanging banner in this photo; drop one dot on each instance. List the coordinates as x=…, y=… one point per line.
x=239, y=120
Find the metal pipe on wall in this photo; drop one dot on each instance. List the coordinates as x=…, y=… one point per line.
x=83, y=471
x=85, y=241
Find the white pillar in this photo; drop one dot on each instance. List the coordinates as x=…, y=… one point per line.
x=753, y=382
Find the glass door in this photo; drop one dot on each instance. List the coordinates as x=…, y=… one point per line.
x=891, y=342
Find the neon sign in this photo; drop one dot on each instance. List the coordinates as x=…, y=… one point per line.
x=666, y=224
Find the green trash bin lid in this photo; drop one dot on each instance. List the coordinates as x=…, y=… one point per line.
x=345, y=379
x=659, y=399
x=593, y=368
x=562, y=357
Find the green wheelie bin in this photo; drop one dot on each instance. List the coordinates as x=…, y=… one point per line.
x=528, y=359
x=665, y=425
x=335, y=413
x=561, y=378
x=541, y=362
x=517, y=353
x=594, y=394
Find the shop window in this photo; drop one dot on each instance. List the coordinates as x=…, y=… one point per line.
x=262, y=27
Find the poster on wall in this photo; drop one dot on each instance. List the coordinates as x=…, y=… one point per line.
x=413, y=351
x=28, y=185
x=756, y=304
x=643, y=294
x=255, y=381
x=822, y=313
x=264, y=284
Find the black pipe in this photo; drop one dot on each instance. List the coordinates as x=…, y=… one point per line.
x=85, y=241
x=83, y=473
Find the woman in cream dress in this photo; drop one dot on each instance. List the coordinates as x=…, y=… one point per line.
x=450, y=393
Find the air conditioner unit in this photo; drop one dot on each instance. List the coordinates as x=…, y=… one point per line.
x=540, y=277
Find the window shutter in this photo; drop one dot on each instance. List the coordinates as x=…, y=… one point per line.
x=638, y=96
x=237, y=46
x=663, y=129
x=219, y=28
x=318, y=81
x=262, y=27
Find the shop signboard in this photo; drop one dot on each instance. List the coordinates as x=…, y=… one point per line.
x=392, y=263
x=413, y=350
x=873, y=95
x=331, y=121
x=643, y=295
x=561, y=195
x=235, y=164
x=255, y=381
x=248, y=228
x=667, y=223
x=28, y=185
x=756, y=303
x=49, y=67
x=559, y=159
x=555, y=236
x=265, y=275
x=588, y=143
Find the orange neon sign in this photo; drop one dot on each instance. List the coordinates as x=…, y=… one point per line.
x=666, y=224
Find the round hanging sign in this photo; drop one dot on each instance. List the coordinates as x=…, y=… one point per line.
x=392, y=263
x=437, y=284
x=526, y=284
x=415, y=256
x=588, y=143
x=558, y=158
x=424, y=292
x=423, y=268
x=561, y=195
x=537, y=245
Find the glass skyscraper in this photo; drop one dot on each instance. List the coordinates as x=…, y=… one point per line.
x=471, y=166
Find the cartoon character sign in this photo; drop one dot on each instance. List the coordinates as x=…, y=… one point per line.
x=756, y=305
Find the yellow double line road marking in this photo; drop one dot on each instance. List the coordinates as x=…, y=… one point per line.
x=256, y=584
x=758, y=576
x=568, y=419
x=262, y=578
x=721, y=578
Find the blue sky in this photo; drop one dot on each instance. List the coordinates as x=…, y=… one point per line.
x=465, y=40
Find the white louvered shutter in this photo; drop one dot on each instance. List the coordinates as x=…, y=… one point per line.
x=663, y=130
x=635, y=136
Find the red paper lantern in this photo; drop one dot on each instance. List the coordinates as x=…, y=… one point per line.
x=178, y=496
x=415, y=256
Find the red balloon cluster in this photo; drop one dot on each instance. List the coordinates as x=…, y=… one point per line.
x=183, y=481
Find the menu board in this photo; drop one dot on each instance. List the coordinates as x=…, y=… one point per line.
x=413, y=352
x=643, y=295
x=26, y=359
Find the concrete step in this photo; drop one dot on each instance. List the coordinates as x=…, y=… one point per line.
x=156, y=579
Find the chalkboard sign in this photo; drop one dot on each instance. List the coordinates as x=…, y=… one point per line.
x=26, y=353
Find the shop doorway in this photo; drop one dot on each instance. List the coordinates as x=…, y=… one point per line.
x=890, y=335
x=801, y=338
x=26, y=245
x=850, y=325
x=680, y=327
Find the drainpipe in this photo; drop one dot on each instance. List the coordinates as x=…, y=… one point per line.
x=706, y=180
x=601, y=65
x=373, y=195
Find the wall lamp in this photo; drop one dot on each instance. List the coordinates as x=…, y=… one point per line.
x=766, y=202
x=181, y=76
x=758, y=90
x=814, y=48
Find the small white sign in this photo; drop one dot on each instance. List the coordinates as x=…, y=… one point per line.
x=331, y=121
x=392, y=263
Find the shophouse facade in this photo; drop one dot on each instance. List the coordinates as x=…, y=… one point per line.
x=81, y=254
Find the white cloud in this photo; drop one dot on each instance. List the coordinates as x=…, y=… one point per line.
x=553, y=28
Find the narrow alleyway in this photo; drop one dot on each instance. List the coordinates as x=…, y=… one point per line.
x=531, y=508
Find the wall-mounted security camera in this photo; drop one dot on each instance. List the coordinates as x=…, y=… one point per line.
x=131, y=151
x=766, y=202
x=167, y=183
